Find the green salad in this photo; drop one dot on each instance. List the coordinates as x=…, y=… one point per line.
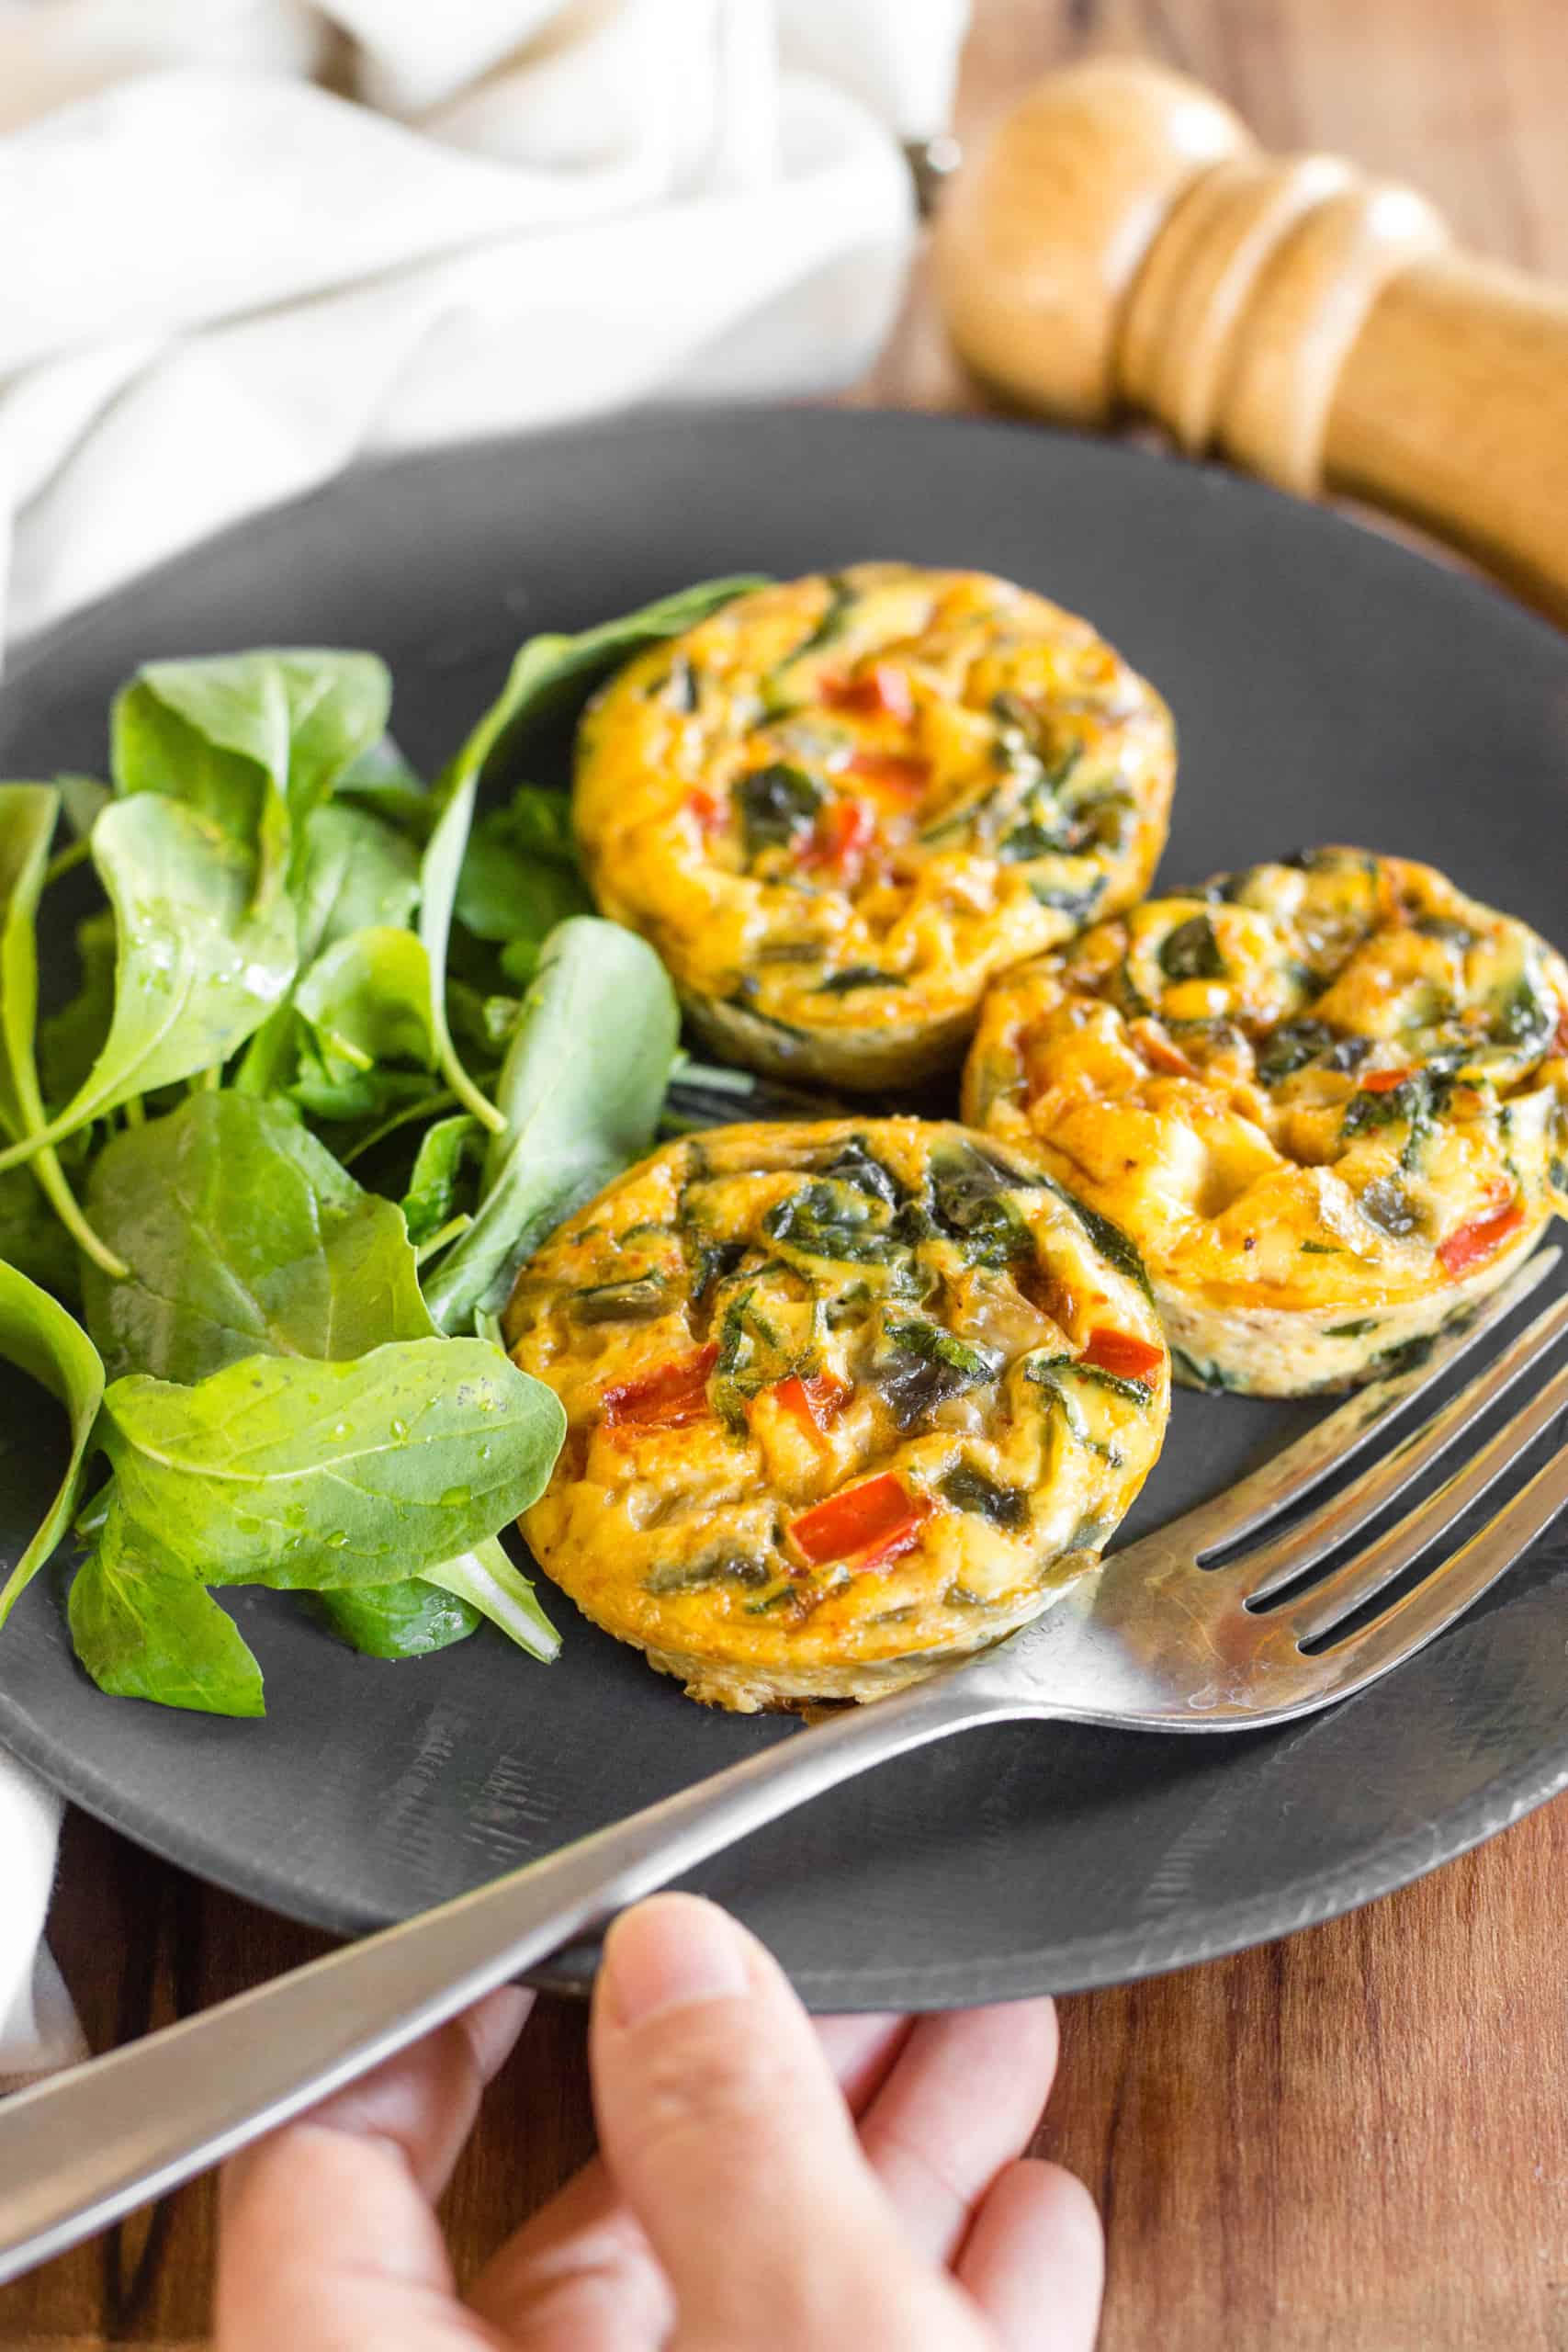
x=341, y=1053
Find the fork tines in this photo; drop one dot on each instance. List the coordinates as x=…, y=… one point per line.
x=1280, y=1565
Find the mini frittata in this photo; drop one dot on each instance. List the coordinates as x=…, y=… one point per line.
x=1326, y=1098
x=840, y=806
x=843, y=1400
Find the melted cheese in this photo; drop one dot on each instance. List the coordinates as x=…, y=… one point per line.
x=1326, y=1098
x=834, y=1412
x=838, y=806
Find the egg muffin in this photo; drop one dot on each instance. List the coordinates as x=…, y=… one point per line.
x=845, y=1399
x=1325, y=1097
x=839, y=806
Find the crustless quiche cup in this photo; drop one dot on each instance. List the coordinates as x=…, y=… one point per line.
x=1326, y=1098
x=839, y=806
x=844, y=1401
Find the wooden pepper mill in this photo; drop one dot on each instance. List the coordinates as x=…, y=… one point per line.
x=1123, y=243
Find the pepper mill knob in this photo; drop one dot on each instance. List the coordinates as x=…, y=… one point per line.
x=1122, y=243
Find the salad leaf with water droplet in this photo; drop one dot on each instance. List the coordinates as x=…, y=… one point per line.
x=145, y=1630
x=253, y=740
x=304, y=1476
x=396, y=1620
x=282, y=1406
x=242, y=1236
x=198, y=968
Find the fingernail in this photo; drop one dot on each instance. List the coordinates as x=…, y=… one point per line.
x=492, y=2027
x=669, y=1952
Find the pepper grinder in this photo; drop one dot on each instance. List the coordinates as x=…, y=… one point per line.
x=1122, y=243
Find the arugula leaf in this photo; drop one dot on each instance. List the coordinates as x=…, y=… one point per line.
x=356, y=874
x=253, y=740
x=489, y=1582
x=198, y=968
x=33, y=1239
x=367, y=1000
x=83, y=799
x=40, y=1339
x=439, y=876
x=353, y=874
x=538, y=823
x=486, y=1022
x=445, y=1150
x=27, y=816
x=143, y=1631
x=580, y=1090
x=546, y=672
x=304, y=1474
x=369, y=1102
x=506, y=893
x=70, y=1041
x=385, y=780
x=245, y=1237
x=242, y=1236
x=396, y=1621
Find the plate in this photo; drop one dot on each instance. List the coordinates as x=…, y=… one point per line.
x=1328, y=685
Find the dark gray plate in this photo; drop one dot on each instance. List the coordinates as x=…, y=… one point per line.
x=1328, y=686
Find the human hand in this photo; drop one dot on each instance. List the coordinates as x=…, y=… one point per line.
x=745, y=2198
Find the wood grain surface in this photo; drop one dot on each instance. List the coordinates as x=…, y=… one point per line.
x=1354, y=2139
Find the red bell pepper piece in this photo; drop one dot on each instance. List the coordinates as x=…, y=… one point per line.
x=881, y=688
x=708, y=812
x=667, y=1397
x=891, y=769
x=815, y=1402
x=1480, y=1239
x=873, y=1523
x=844, y=834
x=1124, y=1357
x=1383, y=1081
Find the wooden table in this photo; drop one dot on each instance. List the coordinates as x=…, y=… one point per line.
x=1356, y=2138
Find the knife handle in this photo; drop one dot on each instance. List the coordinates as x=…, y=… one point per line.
x=1121, y=243
x=83, y=2148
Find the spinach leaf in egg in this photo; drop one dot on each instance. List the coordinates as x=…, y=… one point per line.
x=924, y=1366
x=968, y=1488
x=777, y=804
x=1192, y=952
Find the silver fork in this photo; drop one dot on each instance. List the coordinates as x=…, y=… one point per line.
x=1199, y=1627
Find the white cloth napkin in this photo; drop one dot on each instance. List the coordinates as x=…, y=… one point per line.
x=243, y=243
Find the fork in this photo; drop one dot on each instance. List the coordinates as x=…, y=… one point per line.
x=1213, y=1623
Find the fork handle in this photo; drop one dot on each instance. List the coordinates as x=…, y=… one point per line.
x=79, y=2151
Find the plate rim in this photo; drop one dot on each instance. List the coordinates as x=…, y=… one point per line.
x=1127, y=1958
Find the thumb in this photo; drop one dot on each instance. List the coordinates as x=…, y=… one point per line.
x=728, y=2137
